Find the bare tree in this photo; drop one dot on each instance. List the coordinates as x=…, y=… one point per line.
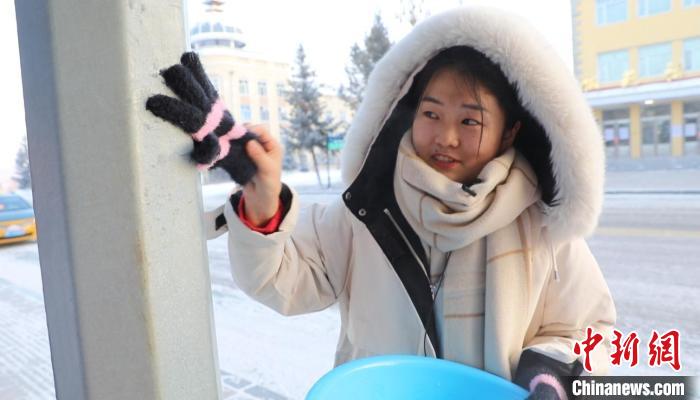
x=22, y=174
x=413, y=11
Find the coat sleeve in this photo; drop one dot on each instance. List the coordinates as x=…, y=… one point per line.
x=303, y=266
x=214, y=223
x=579, y=299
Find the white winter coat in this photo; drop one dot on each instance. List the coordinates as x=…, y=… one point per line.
x=542, y=296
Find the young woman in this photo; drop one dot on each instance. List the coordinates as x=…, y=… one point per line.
x=474, y=169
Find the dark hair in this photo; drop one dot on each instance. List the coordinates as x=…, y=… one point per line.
x=478, y=70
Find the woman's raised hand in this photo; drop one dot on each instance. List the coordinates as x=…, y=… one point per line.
x=218, y=141
x=262, y=192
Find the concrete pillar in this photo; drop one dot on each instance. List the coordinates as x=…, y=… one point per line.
x=677, y=139
x=121, y=245
x=635, y=131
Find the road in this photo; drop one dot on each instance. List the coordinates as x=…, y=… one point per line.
x=648, y=247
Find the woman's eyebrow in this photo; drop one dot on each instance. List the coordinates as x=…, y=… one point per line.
x=475, y=107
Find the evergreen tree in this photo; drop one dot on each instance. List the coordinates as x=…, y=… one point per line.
x=307, y=126
x=412, y=11
x=289, y=163
x=362, y=61
x=22, y=174
x=290, y=141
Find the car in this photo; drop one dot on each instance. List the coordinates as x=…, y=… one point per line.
x=17, y=223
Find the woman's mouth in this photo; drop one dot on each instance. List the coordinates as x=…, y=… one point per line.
x=443, y=161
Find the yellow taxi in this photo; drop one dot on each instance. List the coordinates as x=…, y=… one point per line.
x=17, y=222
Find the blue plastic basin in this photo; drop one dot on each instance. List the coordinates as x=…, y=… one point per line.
x=411, y=377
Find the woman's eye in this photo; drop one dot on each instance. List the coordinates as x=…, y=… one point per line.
x=472, y=122
x=430, y=114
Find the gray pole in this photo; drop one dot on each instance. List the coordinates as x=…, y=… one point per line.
x=123, y=257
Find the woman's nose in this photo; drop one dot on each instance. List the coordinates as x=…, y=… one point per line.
x=447, y=137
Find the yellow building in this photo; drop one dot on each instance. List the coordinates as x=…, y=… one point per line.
x=251, y=84
x=638, y=62
x=335, y=107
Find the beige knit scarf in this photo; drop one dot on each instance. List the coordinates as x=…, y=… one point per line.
x=447, y=217
x=472, y=228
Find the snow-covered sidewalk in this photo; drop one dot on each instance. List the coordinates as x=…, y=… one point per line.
x=262, y=355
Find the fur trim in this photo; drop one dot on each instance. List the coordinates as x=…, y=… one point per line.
x=546, y=88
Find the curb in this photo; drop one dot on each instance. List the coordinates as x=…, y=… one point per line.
x=647, y=192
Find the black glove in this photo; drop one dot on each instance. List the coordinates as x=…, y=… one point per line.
x=218, y=140
x=547, y=375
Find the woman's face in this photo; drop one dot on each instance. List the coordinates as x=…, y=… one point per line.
x=448, y=124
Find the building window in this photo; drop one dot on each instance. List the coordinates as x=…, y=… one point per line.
x=205, y=27
x=215, y=81
x=690, y=3
x=610, y=11
x=691, y=127
x=616, y=131
x=655, y=122
x=280, y=89
x=214, y=43
x=653, y=59
x=612, y=65
x=691, y=54
x=264, y=113
x=243, y=87
x=691, y=118
x=246, y=115
x=653, y=7
x=262, y=88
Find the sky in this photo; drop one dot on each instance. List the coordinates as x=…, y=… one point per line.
x=10, y=92
x=327, y=29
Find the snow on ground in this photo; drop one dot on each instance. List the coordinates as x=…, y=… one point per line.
x=652, y=271
x=305, y=181
x=284, y=354
x=25, y=362
x=19, y=266
x=654, y=283
x=309, y=179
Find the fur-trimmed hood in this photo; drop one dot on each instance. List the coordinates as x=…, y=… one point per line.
x=546, y=89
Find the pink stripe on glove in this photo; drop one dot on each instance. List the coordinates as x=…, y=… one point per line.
x=237, y=131
x=213, y=120
x=548, y=380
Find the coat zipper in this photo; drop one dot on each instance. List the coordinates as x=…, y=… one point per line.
x=433, y=287
x=415, y=255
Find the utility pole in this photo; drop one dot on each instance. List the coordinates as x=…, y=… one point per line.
x=118, y=206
